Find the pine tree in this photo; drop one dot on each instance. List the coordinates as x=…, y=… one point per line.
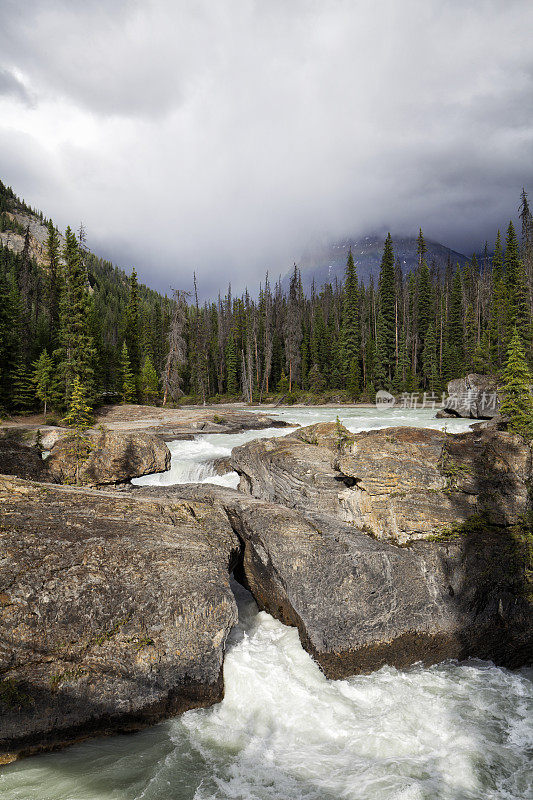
x=387, y=309
x=429, y=360
x=469, y=338
x=23, y=395
x=283, y=384
x=53, y=288
x=516, y=404
x=172, y=373
x=421, y=247
x=499, y=308
x=482, y=357
x=76, y=352
x=79, y=418
x=425, y=312
x=42, y=378
x=353, y=386
x=401, y=381
x=293, y=329
x=10, y=336
x=132, y=335
x=231, y=366
x=380, y=375
x=350, y=331
x=317, y=383
x=149, y=382
x=129, y=388
x=455, y=336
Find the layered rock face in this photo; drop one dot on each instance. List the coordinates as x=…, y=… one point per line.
x=183, y=423
x=114, y=611
x=398, y=484
x=474, y=397
x=359, y=603
x=112, y=457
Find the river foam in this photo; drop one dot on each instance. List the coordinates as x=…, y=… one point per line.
x=192, y=461
x=285, y=732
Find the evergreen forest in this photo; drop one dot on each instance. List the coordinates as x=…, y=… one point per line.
x=77, y=319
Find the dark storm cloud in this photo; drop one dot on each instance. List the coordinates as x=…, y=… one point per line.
x=225, y=136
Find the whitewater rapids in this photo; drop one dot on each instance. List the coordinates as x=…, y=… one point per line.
x=285, y=732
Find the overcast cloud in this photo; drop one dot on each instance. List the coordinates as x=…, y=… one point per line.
x=225, y=135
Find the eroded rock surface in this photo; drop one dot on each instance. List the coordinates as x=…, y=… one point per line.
x=184, y=422
x=114, y=611
x=112, y=457
x=359, y=603
x=395, y=483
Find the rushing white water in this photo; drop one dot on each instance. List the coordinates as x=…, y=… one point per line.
x=192, y=461
x=283, y=731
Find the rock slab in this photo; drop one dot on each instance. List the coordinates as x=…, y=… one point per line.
x=114, y=611
x=397, y=484
x=359, y=603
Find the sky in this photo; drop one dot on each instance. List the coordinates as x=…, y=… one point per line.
x=227, y=136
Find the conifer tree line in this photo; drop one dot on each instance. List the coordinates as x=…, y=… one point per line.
x=78, y=317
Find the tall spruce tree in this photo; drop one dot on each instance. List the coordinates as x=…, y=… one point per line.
x=149, y=382
x=76, y=351
x=429, y=360
x=132, y=332
x=53, y=286
x=129, y=385
x=79, y=419
x=42, y=378
x=499, y=308
x=387, y=310
x=350, y=331
x=232, y=378
x=516, y=404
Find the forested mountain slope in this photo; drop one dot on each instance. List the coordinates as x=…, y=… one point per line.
x=67, y=315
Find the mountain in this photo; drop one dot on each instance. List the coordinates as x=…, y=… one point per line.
x=326, y=263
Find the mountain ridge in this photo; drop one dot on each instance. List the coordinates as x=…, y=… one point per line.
x=326, y=262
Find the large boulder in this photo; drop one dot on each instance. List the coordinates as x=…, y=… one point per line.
x=359, y=603
x=474, y=397
x=114, y=611
x=110, y=457
x=398, y=484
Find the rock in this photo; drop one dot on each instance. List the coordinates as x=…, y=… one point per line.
x=222, y=465
x=174, y=423
x=114, y=611
x=19, y=457
x=442, y=414
x=359, y=603
x=397, y=484
x=113, y=457
x=474, y=396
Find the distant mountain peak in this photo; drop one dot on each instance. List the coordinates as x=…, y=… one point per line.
x=324, y=263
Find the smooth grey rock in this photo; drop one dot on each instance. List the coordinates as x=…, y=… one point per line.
x=359, y=603
x=474, y=396
x=114, y=611
x=112, y=457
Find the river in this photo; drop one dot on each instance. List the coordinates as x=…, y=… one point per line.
x=454, y=731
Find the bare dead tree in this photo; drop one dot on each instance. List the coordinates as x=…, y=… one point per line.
x=177, y=351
